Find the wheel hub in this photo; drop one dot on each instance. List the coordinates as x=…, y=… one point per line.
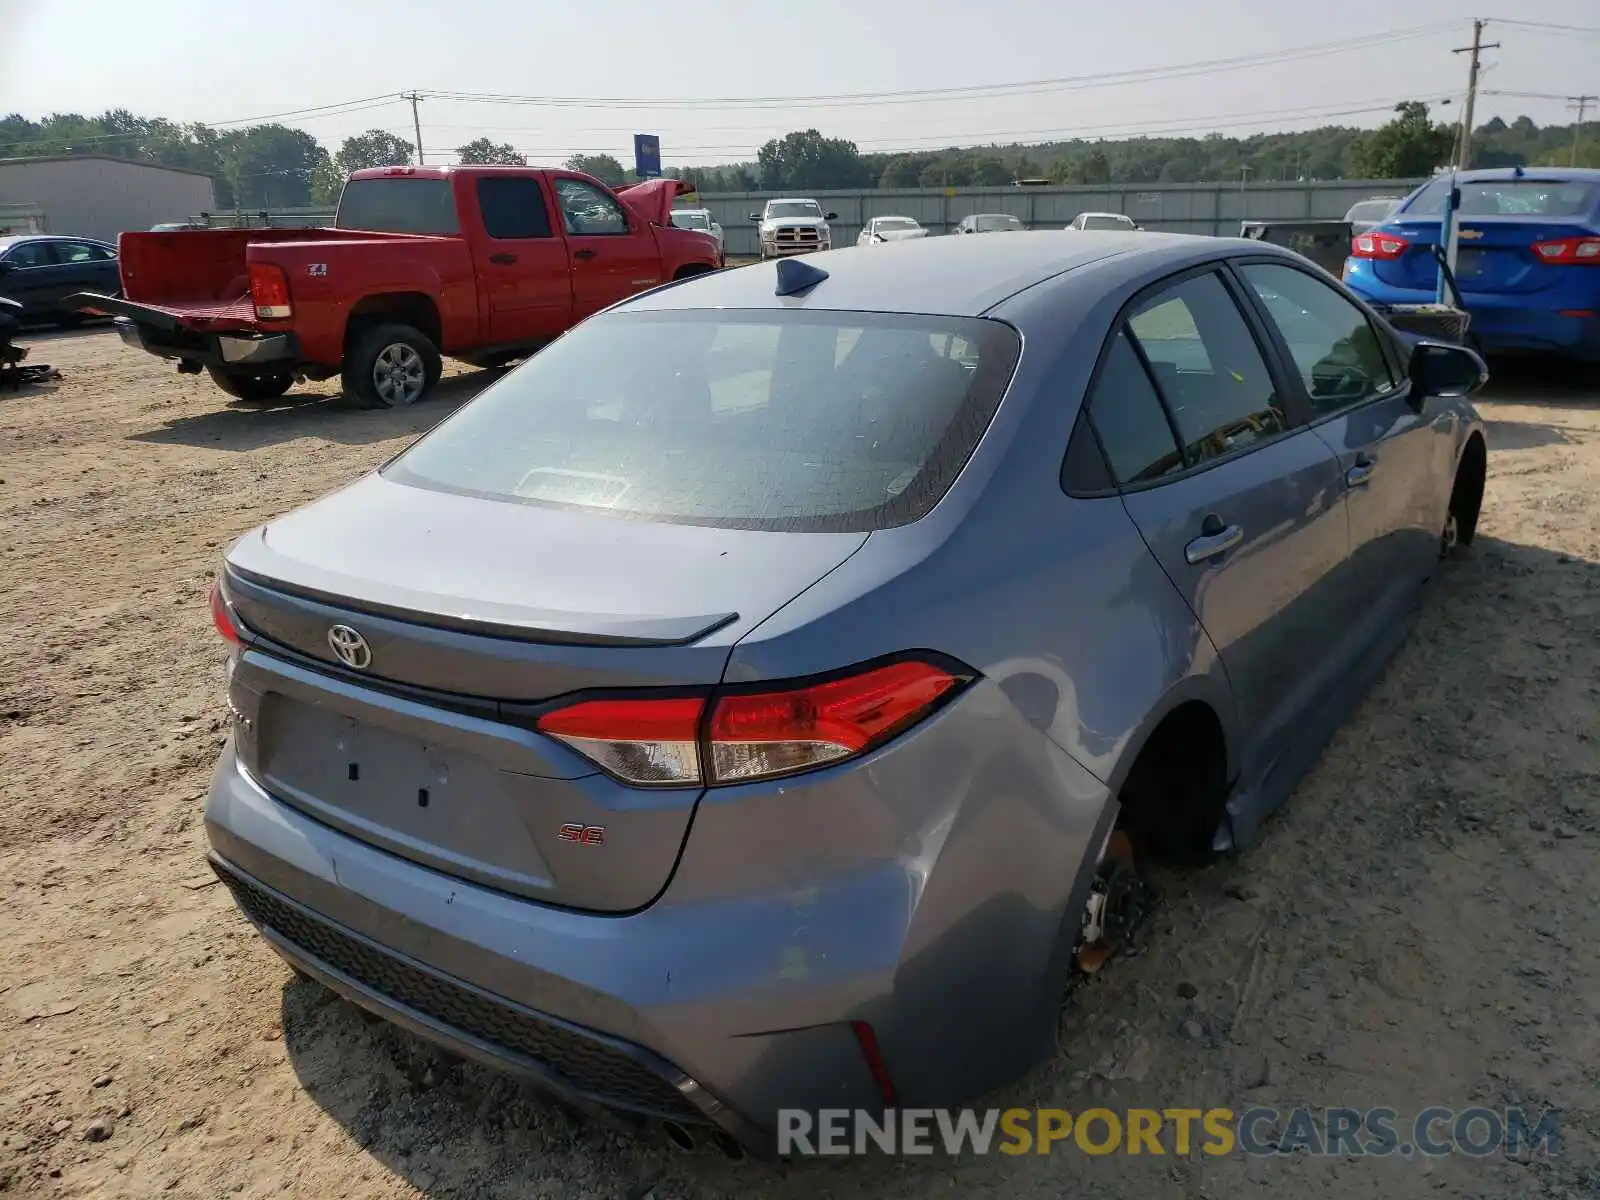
x=1115, y=904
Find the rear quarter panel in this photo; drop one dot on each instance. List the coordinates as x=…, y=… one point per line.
x=328, y=277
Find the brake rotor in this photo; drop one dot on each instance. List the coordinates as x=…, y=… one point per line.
x=1116, y=901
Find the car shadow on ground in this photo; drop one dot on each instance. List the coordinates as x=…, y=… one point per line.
x=1198, y=1013
x=317, y=411
x=1529, y=380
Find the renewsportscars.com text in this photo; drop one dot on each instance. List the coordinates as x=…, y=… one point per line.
x=1372, y=1132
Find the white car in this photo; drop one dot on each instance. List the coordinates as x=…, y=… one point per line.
x=792, y=226
x=699, y=219
x=879, y=230
x=1103, y=220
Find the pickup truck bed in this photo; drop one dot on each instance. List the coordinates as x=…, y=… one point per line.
x=520, y=255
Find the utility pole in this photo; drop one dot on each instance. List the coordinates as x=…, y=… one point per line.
x=1478, y=46
x=1448, y=227
x=416, y=121
x=1581, y=103
x=1244, y=174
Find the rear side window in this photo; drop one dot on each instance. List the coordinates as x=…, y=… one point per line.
x=513, y=208
x=1208, y=367
x=401, y=204
x=1127, y=414
x=1333, y=344
x=802, y=421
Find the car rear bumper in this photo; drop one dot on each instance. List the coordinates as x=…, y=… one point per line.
x=226, y=351
x=737, y=993
x=1508, y=323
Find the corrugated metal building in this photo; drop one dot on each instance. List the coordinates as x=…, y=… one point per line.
x=96, y=197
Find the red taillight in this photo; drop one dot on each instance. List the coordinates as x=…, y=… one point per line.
x=1378, y=245
x=223, y=619
x=766, y=733
x=755, y=733
x=269, y=291
x=1569, y=252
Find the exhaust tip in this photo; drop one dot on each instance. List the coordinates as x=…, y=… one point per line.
x=730, y=1147
x=678, y=1136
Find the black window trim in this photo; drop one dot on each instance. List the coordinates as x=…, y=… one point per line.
x=1387, y=341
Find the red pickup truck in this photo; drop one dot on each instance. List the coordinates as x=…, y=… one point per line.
x=483, y=264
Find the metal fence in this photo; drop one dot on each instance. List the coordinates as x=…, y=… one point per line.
x=1208, y=208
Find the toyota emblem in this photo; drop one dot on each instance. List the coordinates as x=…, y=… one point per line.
x=349, y=647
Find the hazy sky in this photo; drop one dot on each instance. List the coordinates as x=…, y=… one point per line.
x=605, y=61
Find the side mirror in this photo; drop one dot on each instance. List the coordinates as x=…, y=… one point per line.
x=830, y=216
x=1446, y=371
x=756, y=217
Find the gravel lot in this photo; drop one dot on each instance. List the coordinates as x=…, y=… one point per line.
x=1415, y=929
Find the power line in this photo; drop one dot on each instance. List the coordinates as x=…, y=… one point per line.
x=973, y=91
x=1547, y=27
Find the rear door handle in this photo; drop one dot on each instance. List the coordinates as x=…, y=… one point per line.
x=1209, y=545
x=583, y=254
x=1361, y=473
x=505, y=260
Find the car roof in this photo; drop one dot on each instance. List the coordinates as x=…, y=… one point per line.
x=1534, y=174
x=1119, y=216
x=792, y=200
x=944, y=276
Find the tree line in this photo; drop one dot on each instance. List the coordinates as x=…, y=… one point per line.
x=276, y=166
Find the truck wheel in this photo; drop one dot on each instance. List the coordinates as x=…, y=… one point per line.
x=390, y=366
x=254, y=386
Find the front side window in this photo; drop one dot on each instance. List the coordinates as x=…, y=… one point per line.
x=1334, y=346
x=786, y=420
x=81, y=252
x=512, y=208
x=587, y=210
x=1128, y=416
x=1208, y=367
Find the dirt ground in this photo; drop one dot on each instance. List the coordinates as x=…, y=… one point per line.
x=1416, y=928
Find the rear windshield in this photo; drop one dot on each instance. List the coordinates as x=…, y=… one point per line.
x=1107, y=223
x=800, y=421
x=1509, y=198
x=398, y=205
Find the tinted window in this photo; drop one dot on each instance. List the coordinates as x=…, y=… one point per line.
x=1122, y=223
x=587, y=210
x=1510, y=197
x=1128, y=416
x=1332, y=342
x=997, y=224
x=402, y=204
x=32, y=254
x=1208, y=368
x=805, y=421
x=513, y=208
x=1085, y=468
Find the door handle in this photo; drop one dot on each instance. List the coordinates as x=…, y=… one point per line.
x=1209, y=545
x=583, y=254
x=1360, y=474
x=505, y=260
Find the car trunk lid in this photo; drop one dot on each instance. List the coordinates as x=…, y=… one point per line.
x=473, y=614
x=1493, y=254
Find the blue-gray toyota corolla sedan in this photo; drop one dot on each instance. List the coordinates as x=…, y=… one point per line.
x=753, y=701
